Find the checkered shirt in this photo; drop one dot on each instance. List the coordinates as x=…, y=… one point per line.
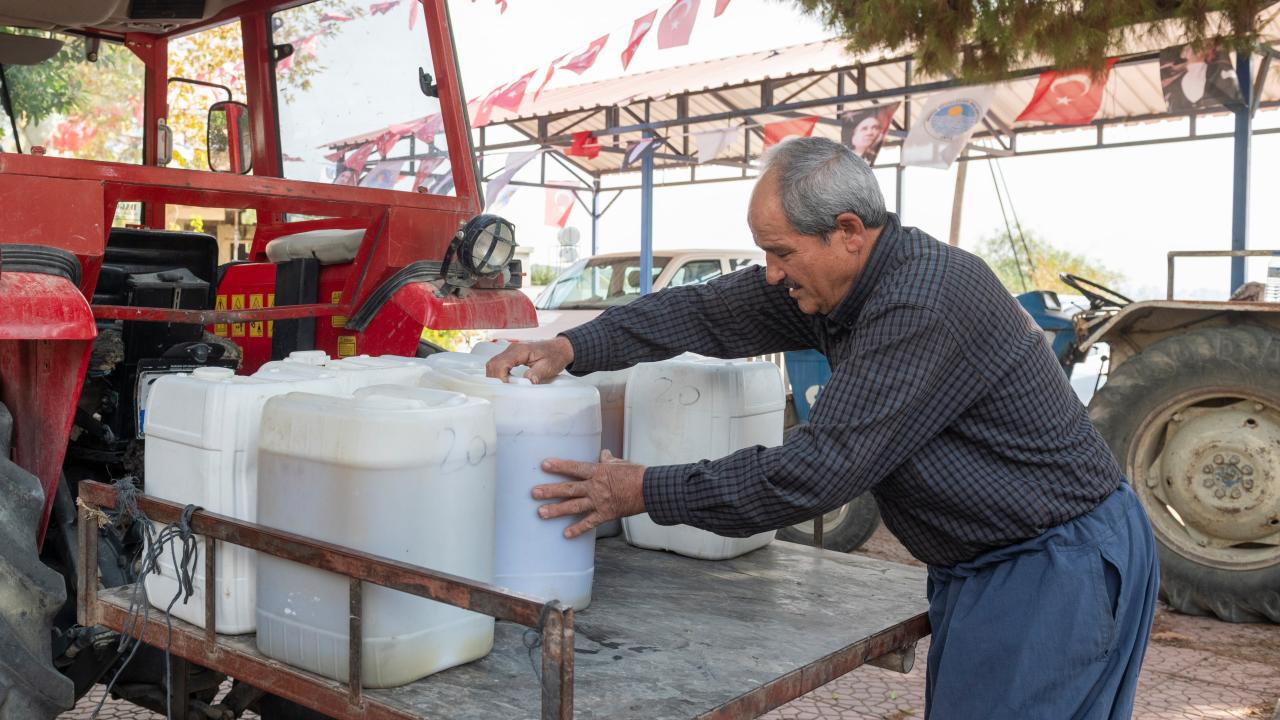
x=945, y=402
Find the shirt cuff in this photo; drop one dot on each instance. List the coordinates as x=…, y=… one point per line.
x=590, y=344
x=664, y=493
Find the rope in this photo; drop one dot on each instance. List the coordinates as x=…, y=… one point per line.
x=532, y=637
x=1008, y=230
x=184, y=558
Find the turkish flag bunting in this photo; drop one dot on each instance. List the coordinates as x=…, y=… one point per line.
x=356, y=160
x=1067, y=98
x=551, y=70
x=583, y=61
x=775, y=133
x=334, y=156
x=484, y=108
x=559, y=206
x=510, y=98
x=720, y=6
x=414, y=7
x=639, y=29
x=501, y=4
x=584, y=145
x=335, y=17
x=677, y=24
x=383, y=8
x=427, y=128
x=385, y=142
x=425, y=166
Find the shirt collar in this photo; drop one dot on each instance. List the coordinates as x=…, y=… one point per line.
x=846, y=313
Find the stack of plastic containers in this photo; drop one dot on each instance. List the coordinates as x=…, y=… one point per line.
x=202, y=447
x=402, y=472
x=560, y=418
x=688, y=409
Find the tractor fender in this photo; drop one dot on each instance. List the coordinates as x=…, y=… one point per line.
x=1136, y=326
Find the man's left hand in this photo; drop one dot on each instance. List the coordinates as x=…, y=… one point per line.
x=603, y=491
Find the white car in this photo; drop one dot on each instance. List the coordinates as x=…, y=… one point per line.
x=592, y=285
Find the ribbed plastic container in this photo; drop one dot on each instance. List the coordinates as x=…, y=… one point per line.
x=613, y=391
x=202, y=448
x=402, y=472
x=559, y=419
x=688, y=409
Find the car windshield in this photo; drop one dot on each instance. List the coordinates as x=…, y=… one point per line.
x=597, y=283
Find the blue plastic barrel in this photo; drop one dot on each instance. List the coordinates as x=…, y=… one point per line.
x=808, y=371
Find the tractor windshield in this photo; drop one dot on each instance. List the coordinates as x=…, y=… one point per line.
x=71, y=105
x=354, y=100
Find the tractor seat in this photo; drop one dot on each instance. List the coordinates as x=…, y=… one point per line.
x=330, y=247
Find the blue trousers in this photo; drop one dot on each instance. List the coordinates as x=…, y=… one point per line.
x=1054, y=627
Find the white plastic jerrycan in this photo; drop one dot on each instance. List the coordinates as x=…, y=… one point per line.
x=560, y=418
x=402, y=472
x=692, y=408
x=202, y=448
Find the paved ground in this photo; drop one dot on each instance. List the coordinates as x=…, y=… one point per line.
x=1195, y=669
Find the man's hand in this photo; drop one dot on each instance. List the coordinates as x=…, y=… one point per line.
x=546, y=359
x=610, y=489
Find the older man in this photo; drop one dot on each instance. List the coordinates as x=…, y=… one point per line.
x=945, y=402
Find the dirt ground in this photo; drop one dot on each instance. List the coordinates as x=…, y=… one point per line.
x=1196, y=668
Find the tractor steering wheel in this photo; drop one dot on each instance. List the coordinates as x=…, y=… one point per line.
x=1100, y=297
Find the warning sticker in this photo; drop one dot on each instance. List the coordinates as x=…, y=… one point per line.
x=237, y=303
x=346, y=345
x=337, y=320
x=220, y=303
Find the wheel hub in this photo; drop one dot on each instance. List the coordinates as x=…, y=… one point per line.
x=1220, y=471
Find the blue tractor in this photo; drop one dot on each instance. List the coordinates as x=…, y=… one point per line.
x=1191, y=408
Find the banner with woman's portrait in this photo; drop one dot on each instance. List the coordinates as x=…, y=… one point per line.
x=865, y=129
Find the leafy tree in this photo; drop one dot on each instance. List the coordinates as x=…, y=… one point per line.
x=1029, y=262
x=987, y=39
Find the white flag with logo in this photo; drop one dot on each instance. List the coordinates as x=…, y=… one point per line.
x=713, y=142
x=515, y=161
x=944, y=126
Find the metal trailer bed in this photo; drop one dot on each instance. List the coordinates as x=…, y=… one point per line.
x=664, y=637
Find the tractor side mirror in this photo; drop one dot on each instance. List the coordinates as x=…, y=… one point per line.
x=230, y=149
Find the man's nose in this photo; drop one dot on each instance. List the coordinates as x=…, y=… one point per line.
x=773, y=274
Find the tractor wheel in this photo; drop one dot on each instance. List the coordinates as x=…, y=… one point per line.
x=30, y=595
x=844, y=529
x=1194, y=421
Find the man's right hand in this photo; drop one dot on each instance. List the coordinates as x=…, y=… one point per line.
x=546, y=359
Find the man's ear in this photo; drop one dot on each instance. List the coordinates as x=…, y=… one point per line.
x=852, y=233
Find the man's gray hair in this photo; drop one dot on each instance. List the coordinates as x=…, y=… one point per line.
x=820, y=179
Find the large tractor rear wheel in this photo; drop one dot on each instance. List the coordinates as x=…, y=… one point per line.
x=1194, y=420
x=30, y=595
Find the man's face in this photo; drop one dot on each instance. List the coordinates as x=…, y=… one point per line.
x=817, y=274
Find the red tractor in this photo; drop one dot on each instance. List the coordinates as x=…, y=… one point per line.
x=107, y=281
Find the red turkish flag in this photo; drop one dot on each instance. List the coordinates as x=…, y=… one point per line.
x=484, y=108
x=1067, y=98
x=639, y=29
x=383, y=8
x=414, y=7
x=510, y=98
x=559, y=205
x=385, y=142
x=356, y=160
x=583, y=61
x=428, y=127
x=551, y=69
x=584, y=145
x=775, y=133
x=335, y=17
x=720, y=6
x=677, y=24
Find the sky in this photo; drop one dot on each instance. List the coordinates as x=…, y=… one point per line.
x=1125, y=207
